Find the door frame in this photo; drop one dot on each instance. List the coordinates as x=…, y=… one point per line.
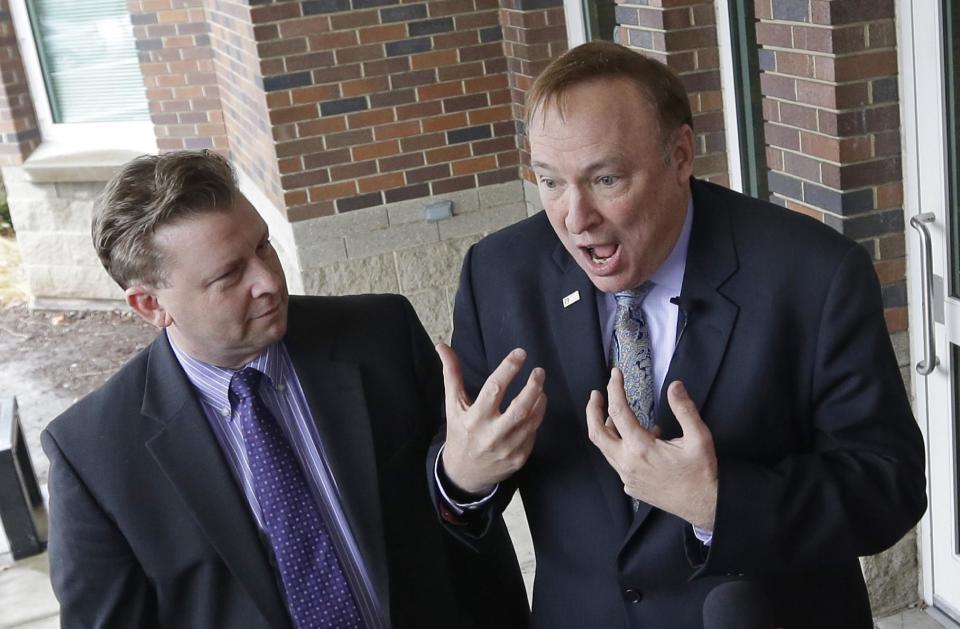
x=925, y=189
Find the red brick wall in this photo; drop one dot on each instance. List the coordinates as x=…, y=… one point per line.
x=375, y=101
x=830, y=102
x=534, y=34
x=683, y=35
x=18, y=121
x=173, y=43
x=238, y=60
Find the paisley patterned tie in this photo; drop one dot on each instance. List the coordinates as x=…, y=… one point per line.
x=631, y=352
x=316, y=588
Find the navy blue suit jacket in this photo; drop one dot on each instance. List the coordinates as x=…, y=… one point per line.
x=786, y=354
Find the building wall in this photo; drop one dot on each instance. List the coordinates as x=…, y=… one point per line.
x=19, y=130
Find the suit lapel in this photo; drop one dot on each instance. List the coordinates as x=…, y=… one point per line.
x=188, y=453
x=710, y=315
x=577, y=337
x=337, y=400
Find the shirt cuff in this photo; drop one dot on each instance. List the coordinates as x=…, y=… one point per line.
x=458, y=507
x=705, y=537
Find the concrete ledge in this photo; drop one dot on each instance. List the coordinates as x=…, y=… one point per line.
x=56, y=303
x=51, y=163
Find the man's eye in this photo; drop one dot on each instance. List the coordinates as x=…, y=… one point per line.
x=549, y=184
x=606, y=180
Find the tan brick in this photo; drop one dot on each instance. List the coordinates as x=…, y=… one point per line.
x=397, y=130
x=380, y=182
x=371, y=118
x=475, y=165
x=445, y=123
x=372, y=151
x=332, y=191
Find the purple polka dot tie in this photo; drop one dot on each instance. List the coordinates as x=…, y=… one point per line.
x=314, y=583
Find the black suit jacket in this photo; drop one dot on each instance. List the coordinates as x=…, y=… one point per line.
x=785, y=353
x=148, y=527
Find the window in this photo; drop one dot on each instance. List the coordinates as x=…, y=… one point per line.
x=84, y=72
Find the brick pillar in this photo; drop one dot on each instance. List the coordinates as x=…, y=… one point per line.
x=377, y=101
x=830, y=105
x=173, y=42
x=18, y=121
x=534, y=34
x=683, y=35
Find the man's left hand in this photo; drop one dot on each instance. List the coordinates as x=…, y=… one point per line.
x=678, y=476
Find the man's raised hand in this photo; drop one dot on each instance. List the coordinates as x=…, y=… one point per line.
x=485, y=446
x=678, y=476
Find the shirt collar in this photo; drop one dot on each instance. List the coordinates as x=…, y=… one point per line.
x=212, y=383
x=669, y=274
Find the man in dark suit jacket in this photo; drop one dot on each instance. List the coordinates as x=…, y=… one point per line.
x=783, y=445
x=154, y=520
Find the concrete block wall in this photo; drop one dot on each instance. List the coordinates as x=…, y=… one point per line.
x=52, y=218
x=391, y=248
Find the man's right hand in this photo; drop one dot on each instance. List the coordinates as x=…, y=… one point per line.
x=485, y=446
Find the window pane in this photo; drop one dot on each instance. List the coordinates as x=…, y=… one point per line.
x=89, y=60
x=952, y=48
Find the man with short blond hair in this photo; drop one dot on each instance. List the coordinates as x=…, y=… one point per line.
x=260, y=463
x=693, y=391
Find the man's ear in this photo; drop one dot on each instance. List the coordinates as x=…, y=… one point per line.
x=144, y=302
x=682, y=154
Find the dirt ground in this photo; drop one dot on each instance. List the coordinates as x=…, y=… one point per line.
x=50, y=359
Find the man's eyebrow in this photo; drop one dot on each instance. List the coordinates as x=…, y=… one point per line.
x=600, y=164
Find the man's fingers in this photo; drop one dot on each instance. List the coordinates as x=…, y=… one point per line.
x=619, y=408
x=491, y=394
x=685, y=410
x=521, y=407
x=602, y=435
x=453, y=392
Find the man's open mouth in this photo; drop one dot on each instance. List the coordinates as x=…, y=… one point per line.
x=600, y=254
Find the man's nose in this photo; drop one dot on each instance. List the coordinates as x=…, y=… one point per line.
x=266, y=279
x=581, y=212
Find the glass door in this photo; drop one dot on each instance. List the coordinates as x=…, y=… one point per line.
x=929, y=44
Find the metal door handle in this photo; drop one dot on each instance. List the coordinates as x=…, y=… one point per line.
x=930, y=360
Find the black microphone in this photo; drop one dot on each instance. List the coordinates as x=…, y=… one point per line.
x=684, y=304
x=737, y=605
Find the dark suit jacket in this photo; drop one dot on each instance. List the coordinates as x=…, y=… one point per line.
x=786, y=355
x=149, y=528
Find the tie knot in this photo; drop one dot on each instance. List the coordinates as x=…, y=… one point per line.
x=245, y=382
x=633, y=296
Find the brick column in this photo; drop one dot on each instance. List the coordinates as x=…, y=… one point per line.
x=534, y=34
x=18, y=121
x=829, y=84
x=377, y=101
x=173, y=42
x=683, y=35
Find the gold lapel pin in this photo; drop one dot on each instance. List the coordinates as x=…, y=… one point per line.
x=571, y=299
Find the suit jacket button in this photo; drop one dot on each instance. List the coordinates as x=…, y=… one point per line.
x=632, y=595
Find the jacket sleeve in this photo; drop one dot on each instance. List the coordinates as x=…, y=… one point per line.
x=94, y=573
x=862, y=485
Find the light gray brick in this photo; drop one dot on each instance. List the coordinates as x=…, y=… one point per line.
x=434, y=313
x=361, y=245
x=509, y=193
x=484, y=221
x=413, y=210
x=321, y=252
x=358, y=221
x=376, y=274
x=432, y=266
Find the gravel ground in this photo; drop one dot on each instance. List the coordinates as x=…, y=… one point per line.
x=49, y=359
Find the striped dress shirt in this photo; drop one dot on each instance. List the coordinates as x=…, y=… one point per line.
x=281, y=392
